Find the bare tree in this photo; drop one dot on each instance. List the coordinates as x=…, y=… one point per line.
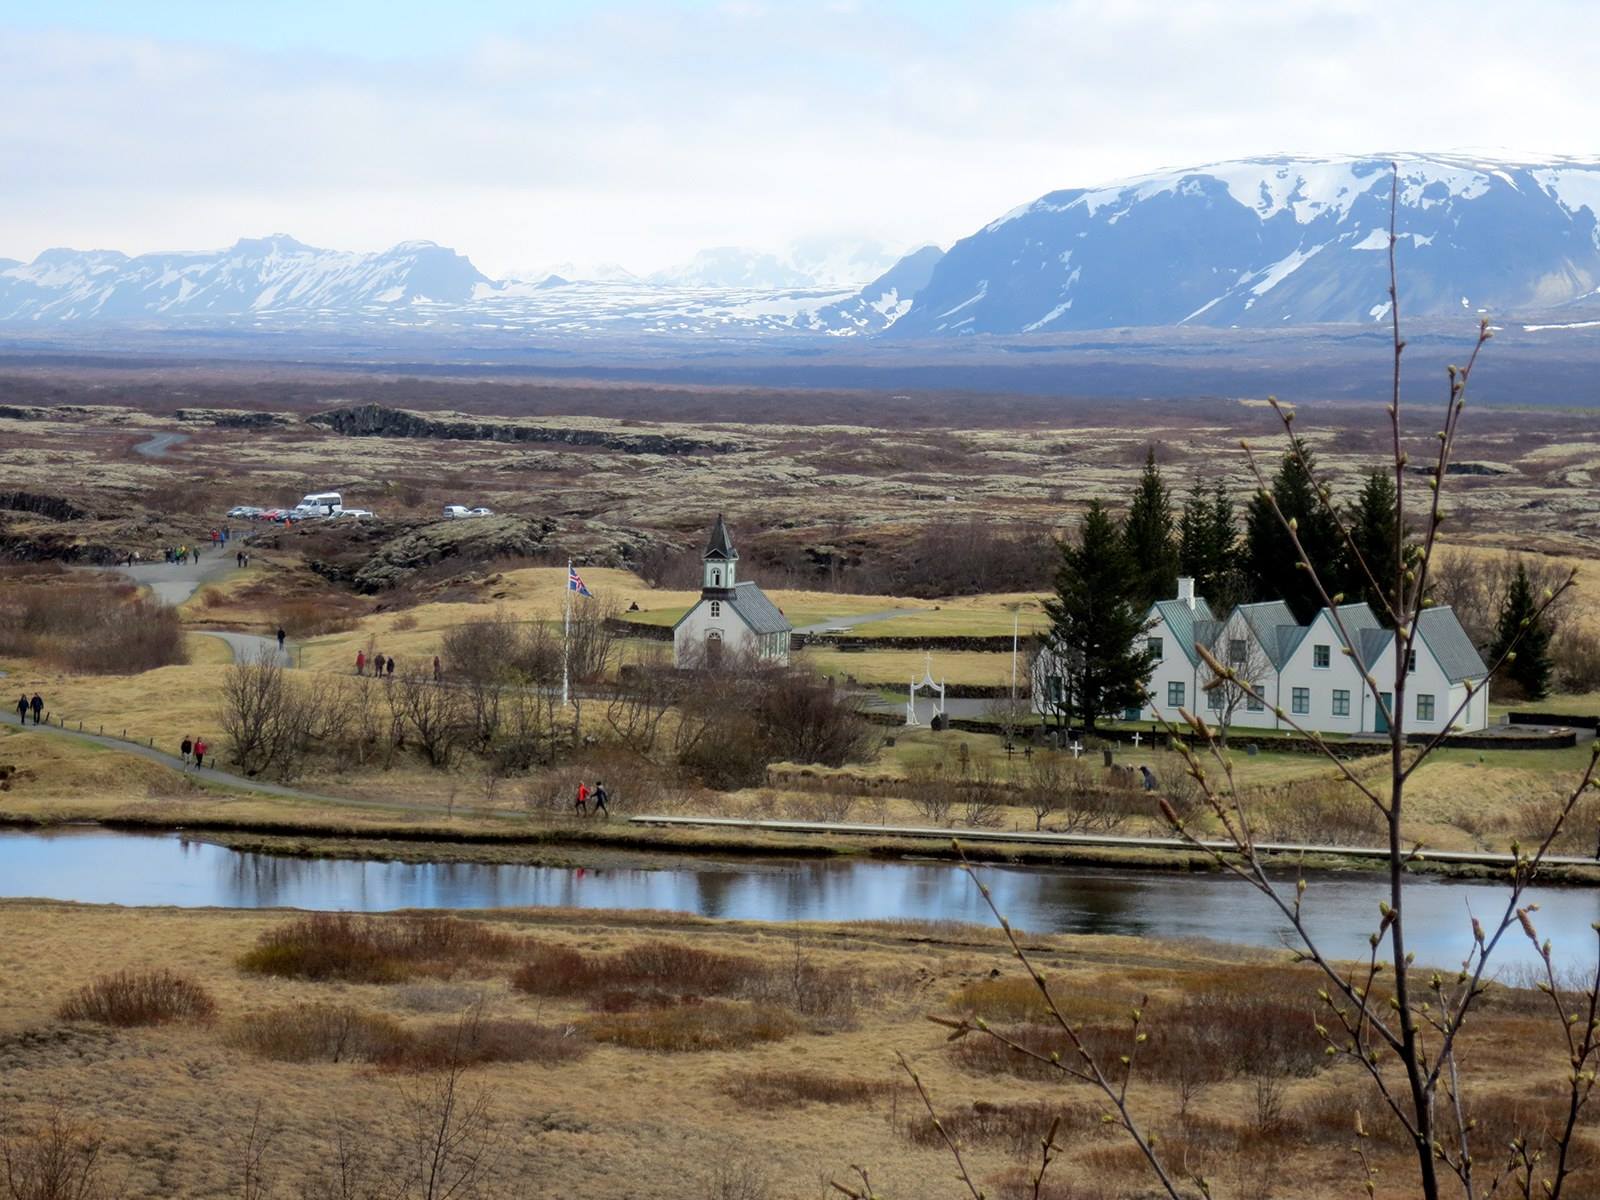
x=255, y=697
x=56, y=1158
x=449, y=1130
x=432, y=714
x=1240, y=684
x=1405, y=1034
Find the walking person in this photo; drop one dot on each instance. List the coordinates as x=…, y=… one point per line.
x=187, y=747
x=22, y=709
x=388, y=666
x=600, y=797
x=361, y=662
x=199, y=753
x=583, y=799
x=438, y=671
x=281, y=636
x=37, y=704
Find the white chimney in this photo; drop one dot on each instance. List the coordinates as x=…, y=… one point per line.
x=1186, y=589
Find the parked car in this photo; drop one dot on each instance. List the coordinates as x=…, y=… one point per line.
x=482, y=512
x=355, y=512
x=239, y=510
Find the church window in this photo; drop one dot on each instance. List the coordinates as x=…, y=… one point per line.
x=716, y=608
x=716, y=579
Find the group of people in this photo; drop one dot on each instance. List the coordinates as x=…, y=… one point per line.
x=242, y=557
x=25, y=706
x=193, y=749
x=597, y=797
x=381, y=666
x=182, y=554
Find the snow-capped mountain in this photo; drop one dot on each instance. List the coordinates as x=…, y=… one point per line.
x=821, y=261
x=253, y=276
x=883, y=301
x=1271, y=240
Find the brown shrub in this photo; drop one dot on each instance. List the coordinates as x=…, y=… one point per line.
x=1329, y=812
x=789, y=1089
x=714, y=1025
x=96, y=625
x=1576, y=654
x=324, y=946
x=56, y=1158
x=1017, y=998
x=478, y=1042
x=1020, y=1126
x=139, y=998
x=668, y=967
x=313, y=616
x=316, y=1033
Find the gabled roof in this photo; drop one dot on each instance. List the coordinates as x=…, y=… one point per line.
x=1274, y=627
x=1363, y=628
x=1184, y=622
x=720, y=545
x=1449, y=644
x=756, y=611
x=750, y=604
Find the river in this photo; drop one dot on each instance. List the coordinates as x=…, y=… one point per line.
x=103, y=867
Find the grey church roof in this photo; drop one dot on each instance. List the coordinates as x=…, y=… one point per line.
x=756, y=611
x=1186, y=622
x=1452, y=649
x=720, y=545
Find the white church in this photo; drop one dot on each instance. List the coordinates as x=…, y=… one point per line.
x=1302, y=669
x=731, y=617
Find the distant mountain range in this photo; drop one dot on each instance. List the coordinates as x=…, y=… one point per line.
x=1258, y=243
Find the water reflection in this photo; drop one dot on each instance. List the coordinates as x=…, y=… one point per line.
x=101, y=867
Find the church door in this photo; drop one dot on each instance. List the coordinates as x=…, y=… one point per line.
x=713, y=649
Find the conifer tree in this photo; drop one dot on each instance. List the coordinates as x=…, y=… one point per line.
x=1208, y=546
x=1095, y=617
x=1271, y=563
x=1372, y=529
x=1522, y=631
x=1148, y=535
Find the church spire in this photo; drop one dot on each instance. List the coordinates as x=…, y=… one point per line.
x=720, y=559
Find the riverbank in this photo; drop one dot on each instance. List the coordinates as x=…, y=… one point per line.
x=777, y=1065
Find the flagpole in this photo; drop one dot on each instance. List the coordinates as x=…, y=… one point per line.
x=566, y=637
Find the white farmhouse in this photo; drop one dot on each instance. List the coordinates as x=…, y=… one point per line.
x=730, y=618
x=1303, y=669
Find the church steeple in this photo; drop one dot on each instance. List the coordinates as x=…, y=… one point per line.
x=721, y=561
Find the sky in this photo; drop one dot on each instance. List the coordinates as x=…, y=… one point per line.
x=546, y=131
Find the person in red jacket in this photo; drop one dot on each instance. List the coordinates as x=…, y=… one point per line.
x=583, y=799
x=361, y=661
x=199, y=753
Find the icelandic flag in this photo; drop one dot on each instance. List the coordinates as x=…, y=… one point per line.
x=574, y=584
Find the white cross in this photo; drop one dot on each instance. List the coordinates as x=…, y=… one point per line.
x=1076, y=749
x=1135, y=741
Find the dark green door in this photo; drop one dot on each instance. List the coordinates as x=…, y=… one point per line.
x=1381, y=718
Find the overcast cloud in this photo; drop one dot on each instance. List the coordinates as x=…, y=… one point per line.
x=640, y=133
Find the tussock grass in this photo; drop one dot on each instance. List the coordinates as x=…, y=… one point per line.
x=337, y=946
x=713, y=1025
x=771, y=1089
x=1017, y=998
x=130, y=998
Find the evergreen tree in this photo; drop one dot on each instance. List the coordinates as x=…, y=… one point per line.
x=1522, y=630
x=1208, y=546
x=1372, y=529
x=1095, y=616
x=1148, y=535
x=1271, y=562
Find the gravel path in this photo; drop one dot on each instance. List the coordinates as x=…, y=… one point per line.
x=839, y=624
x=158, y=446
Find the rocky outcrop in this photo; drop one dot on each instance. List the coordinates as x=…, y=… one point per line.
x=53, y=507
x=400, y=558
x=233, y=418
x=374, y=420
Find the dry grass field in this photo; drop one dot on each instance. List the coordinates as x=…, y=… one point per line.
x=660, y=1059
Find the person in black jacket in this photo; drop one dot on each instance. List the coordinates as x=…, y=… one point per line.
x=599, y=798
x=22, y=709
x=37, y=705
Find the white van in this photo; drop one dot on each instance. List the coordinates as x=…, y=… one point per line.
x=454, y=512
x=318, y=504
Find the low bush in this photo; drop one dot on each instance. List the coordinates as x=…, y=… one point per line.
x=327, y=946
x=92, y=624
x=130, y=998
x=668, y=967
x=317, y=1033
x=1019, y=1126
x=713, y=1025
x=344, y=1033
x=1017, y=998
x=789, y=1089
